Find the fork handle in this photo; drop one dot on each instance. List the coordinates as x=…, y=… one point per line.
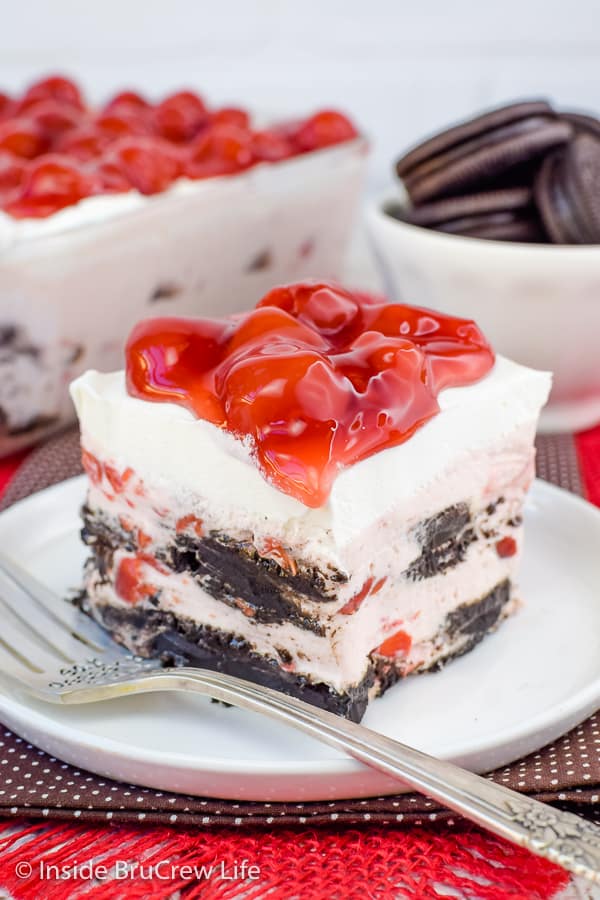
x=561, y=837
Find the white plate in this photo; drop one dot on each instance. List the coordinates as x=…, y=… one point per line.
x=536, y=678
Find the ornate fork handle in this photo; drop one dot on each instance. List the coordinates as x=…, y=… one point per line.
x=560, y=837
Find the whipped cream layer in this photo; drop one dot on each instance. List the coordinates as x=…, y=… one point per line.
x=205, y=470
x=101, y=208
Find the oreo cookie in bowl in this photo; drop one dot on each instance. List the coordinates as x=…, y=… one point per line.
x=498, y=219
x=137, y=208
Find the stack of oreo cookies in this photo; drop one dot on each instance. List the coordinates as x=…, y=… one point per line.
x=523, y=173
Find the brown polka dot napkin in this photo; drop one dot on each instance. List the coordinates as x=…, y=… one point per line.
x=32, y=783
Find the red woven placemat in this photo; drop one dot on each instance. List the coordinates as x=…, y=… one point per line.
x=32, y=783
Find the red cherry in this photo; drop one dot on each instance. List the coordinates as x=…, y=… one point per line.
x=82, y=143
x=6, y=106
x=127, y=103
x=506, y=547
x=230, y=115
x=49, y=185
x=129, y=580
x=55, y=175
x=11, y=171
x=149, y=165
x=324, y=129
x=57, y=88
x=112, y=178
x=120, y=124
x=53, y=117
x=180, y=117
x=220, y=150
x=22, y=138
x=398, y=643
x=271, y=146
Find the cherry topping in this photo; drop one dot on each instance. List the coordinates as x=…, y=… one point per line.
x=6, y=106
x=56, y=88
x=11, y=171
x=180, y=117
x=271, y=146
x=127, y=103
x=315, y=378
x=83, y=143
x=114, y=124
x=22, y=137
x=53, y=118
x=50, y=184
x=230, y=115
x=112, y=177
x=148, y=165
x=177, y=136
x=323, y=129
x=220, y=150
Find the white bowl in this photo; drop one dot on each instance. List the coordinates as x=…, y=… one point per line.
x=537, y=303
x=73, y=285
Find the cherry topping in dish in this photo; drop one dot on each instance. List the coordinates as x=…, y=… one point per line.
x=315, y=378
x=133, y=144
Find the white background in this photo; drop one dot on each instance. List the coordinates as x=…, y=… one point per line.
x=402, y=69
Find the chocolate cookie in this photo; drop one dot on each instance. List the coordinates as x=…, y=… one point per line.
x=506, y=226
x=567, y=191
x=582, y=122
x=498, y=147
x=498, y=215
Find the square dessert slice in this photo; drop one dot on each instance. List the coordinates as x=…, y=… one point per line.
x=322, y=495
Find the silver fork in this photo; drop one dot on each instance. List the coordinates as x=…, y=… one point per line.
x=56, y=653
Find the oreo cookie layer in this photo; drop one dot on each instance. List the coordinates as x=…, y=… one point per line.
x=179, y=641
x=497, y=146
x=227, y=574
x=444, y=540
x=232, y=571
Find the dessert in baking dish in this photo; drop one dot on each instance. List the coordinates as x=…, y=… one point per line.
x=136, y=208
x=323, y=494
x=56, y=151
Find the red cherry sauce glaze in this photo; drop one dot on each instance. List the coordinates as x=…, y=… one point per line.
x=317, y=378
x=55, y=150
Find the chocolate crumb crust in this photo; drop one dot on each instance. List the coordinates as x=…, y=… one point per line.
x=176, y=640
